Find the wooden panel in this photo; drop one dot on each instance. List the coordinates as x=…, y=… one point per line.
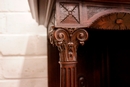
x=119, y=53
x=53, y=66
x=68, y=13
x=116, y=1
x=104, y=60
x=93, y=61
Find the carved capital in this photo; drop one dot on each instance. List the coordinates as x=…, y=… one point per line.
x=67, y=41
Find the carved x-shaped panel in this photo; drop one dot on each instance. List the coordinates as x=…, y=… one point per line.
x=69, y=13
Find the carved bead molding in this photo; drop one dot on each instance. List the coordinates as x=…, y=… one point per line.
x=114, y=21
x=67, y=41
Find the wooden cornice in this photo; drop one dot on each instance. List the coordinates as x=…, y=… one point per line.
x=41, y=10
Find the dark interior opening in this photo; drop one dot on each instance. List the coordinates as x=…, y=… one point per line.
x=104, y=60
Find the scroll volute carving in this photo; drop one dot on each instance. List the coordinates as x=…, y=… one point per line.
x=67, y=41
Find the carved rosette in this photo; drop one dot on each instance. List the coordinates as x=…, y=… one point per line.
x=67, y=41
x=113, y=21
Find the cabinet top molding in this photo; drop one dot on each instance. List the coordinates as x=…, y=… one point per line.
x=41, y=10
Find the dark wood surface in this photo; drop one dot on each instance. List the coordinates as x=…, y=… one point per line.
x=104, y=60
x=117, y=1
x=53, y=66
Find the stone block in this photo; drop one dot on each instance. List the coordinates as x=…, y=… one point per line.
x=14, y=5
x=23, y=67
x=24, y=83
x=23, y=44
x=3, y=5
x=2, y=23
x=23, y=23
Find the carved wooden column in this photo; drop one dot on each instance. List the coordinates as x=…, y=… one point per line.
x=67, y=41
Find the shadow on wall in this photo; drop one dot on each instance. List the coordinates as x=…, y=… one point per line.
x=23, y=61
x=34, y=69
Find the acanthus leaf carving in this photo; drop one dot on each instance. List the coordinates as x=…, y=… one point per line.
x=67, y=41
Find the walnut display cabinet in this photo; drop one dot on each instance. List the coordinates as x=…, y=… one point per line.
x=88, y=42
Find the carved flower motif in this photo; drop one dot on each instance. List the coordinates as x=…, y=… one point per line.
x=118, y=21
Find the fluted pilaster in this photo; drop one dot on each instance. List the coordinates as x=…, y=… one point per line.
x=67, y=41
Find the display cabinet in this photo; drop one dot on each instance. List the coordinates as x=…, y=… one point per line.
x=88, y=43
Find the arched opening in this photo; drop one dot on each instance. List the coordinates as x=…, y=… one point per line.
x=113, y=21
x=104, y=60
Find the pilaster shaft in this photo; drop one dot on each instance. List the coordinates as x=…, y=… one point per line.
x=68, y=74
x=67, y=41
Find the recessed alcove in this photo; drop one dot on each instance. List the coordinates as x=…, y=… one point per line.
x=104, y=59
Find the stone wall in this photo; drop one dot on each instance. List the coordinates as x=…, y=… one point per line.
x=23, y=47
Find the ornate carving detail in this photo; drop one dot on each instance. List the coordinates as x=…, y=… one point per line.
x=69, y=13
x=116, y=21
x=67, y=41
x=92, y=10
